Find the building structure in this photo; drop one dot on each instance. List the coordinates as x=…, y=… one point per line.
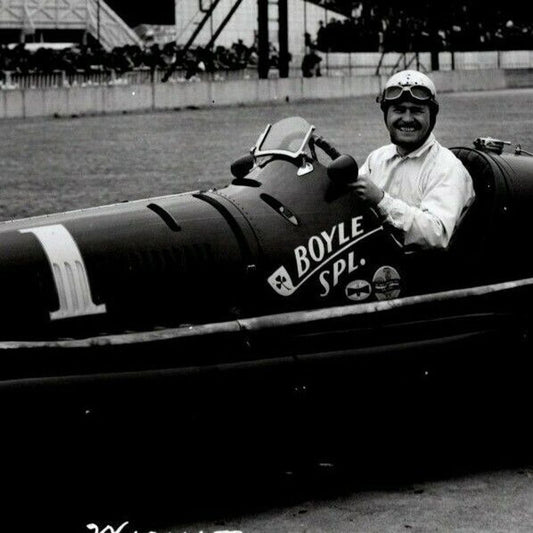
x=303, y=17
x=63, y=20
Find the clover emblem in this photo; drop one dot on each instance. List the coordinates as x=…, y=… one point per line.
x=280, y=281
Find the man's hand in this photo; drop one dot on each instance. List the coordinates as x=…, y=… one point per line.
x=367, y=190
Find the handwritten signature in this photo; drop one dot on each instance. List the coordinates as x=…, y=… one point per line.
x=120, y=529
x=109, y=529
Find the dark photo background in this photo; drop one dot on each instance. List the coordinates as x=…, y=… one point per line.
x=135, y=12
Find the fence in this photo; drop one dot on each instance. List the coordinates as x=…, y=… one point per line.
x=123, y=98
x=372, y=63
x=59, y=78
x=333, y=64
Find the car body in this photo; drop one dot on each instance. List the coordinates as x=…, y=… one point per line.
x=276, y=298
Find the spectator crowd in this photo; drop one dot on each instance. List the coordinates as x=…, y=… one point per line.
x=369, y=26
x=94, y=58
x=421, y=25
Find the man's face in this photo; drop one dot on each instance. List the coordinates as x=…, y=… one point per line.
x=408, y=124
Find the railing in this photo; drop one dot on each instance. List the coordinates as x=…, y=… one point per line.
x=62, y=79
x=333, y=64
x=367, y=63
x=56, y=79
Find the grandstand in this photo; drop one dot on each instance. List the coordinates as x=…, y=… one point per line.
x=222, y=23
x=63, y=21
x=225, y=39
x=366, y=25
x=456, y=25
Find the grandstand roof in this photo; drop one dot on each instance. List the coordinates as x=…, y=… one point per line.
x=92, y=16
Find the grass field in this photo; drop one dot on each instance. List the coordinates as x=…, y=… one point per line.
x=51, y=165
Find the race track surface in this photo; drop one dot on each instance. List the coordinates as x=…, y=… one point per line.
x=51, y=165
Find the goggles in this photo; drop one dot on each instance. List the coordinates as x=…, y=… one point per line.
x=416, y=92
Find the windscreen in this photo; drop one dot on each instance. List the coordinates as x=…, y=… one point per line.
x=288, y=136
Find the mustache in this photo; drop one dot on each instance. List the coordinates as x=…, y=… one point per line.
x=414, y=125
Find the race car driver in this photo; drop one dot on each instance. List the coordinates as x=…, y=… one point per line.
x=418, y=186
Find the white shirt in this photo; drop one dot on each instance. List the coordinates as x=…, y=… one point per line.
x=425, y=191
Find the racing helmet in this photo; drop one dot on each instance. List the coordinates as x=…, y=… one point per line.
x=410, y=85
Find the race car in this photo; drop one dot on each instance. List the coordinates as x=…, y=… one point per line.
x=286, y=234
x=278, y=288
